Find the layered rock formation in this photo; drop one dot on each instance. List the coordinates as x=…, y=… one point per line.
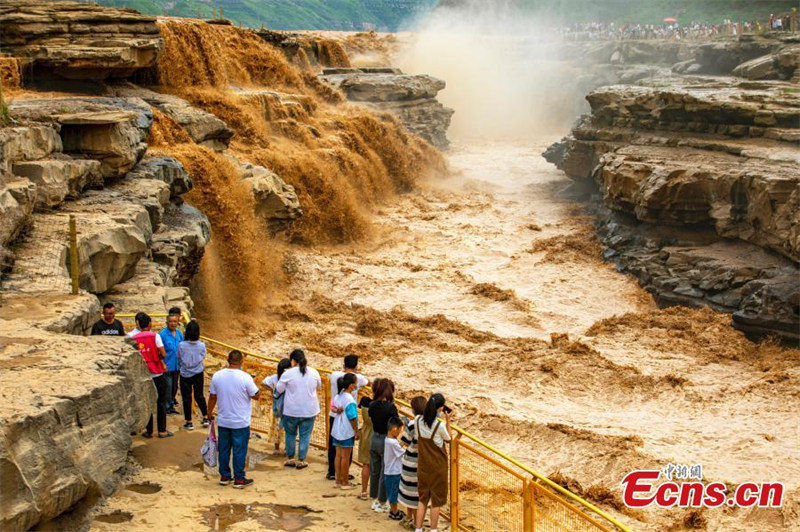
x=732, y=56
x=70, y=403
x=69, y=406
x=78, y=40
x=699, y=178
x=412, y=98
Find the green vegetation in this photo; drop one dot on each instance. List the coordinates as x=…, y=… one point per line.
x=393, y=15
x=5, y=118
x=381, y=15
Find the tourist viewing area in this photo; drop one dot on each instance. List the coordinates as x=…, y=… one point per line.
x=489, y=490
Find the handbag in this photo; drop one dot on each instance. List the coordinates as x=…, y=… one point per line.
x=209, y=449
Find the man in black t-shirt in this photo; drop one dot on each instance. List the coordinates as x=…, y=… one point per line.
x=107, y=325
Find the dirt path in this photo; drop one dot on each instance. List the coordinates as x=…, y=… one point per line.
x=173, y=490
x=461, y=290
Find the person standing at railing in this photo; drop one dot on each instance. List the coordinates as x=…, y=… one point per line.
x=234, y=390
x=381, y=409
x=365, y=441
x=277, y=403
x=171, y=336
x=432, y=474
x=153, y=355
x=393, y=466
x=191, y=359
x=350, y=366
x=344, y=429
x=409, y=497
x=300, y=407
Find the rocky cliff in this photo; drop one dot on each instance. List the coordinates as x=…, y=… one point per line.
x=700, y=184
x=69, y=406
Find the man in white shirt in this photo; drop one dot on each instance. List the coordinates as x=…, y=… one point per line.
x=350, y=366
x=233, y=390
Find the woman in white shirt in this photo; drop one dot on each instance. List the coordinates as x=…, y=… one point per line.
x=300, y=406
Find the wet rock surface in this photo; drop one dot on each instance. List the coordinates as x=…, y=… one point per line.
x=412, y=98
x=715, y=159
x=203, y=127
x=693, y=268
x=276, y=202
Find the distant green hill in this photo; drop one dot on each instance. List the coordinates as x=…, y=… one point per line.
x=393, y=15
x=381, y=15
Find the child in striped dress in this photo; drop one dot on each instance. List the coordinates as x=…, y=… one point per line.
x=408, y=478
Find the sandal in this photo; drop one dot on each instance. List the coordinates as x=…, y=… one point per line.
x=364, y=496
x=146, y=434
x=167, y=434
x=291, y=462
x=301, y=465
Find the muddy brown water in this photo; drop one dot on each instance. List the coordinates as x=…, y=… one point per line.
x=490, y=288
x=271, y=516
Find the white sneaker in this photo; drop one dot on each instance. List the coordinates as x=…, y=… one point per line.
x=387, y=507
x=377, y=506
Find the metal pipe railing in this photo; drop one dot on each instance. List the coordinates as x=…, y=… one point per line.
x=528, y=488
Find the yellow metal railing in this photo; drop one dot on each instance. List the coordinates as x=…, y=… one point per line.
x=489, y=490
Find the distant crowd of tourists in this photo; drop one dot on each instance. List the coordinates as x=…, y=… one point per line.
x=671, y=29
x=403, y=460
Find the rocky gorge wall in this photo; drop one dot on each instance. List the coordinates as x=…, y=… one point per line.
x=698, y=177
x=222, y=161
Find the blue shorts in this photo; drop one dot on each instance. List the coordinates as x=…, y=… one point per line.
x=349, y=442
x=392, y=483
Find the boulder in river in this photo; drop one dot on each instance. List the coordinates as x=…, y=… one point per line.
x=412, y=98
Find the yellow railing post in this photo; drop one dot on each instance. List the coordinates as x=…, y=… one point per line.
x=74, y=267
x=454, y=482
x=527, y=505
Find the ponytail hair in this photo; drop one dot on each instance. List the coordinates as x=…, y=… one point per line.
x=344, y=382
x=299, y=357
x=432, y=407
x=283, y=365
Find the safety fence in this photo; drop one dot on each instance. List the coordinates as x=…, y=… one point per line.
x=489, y=490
